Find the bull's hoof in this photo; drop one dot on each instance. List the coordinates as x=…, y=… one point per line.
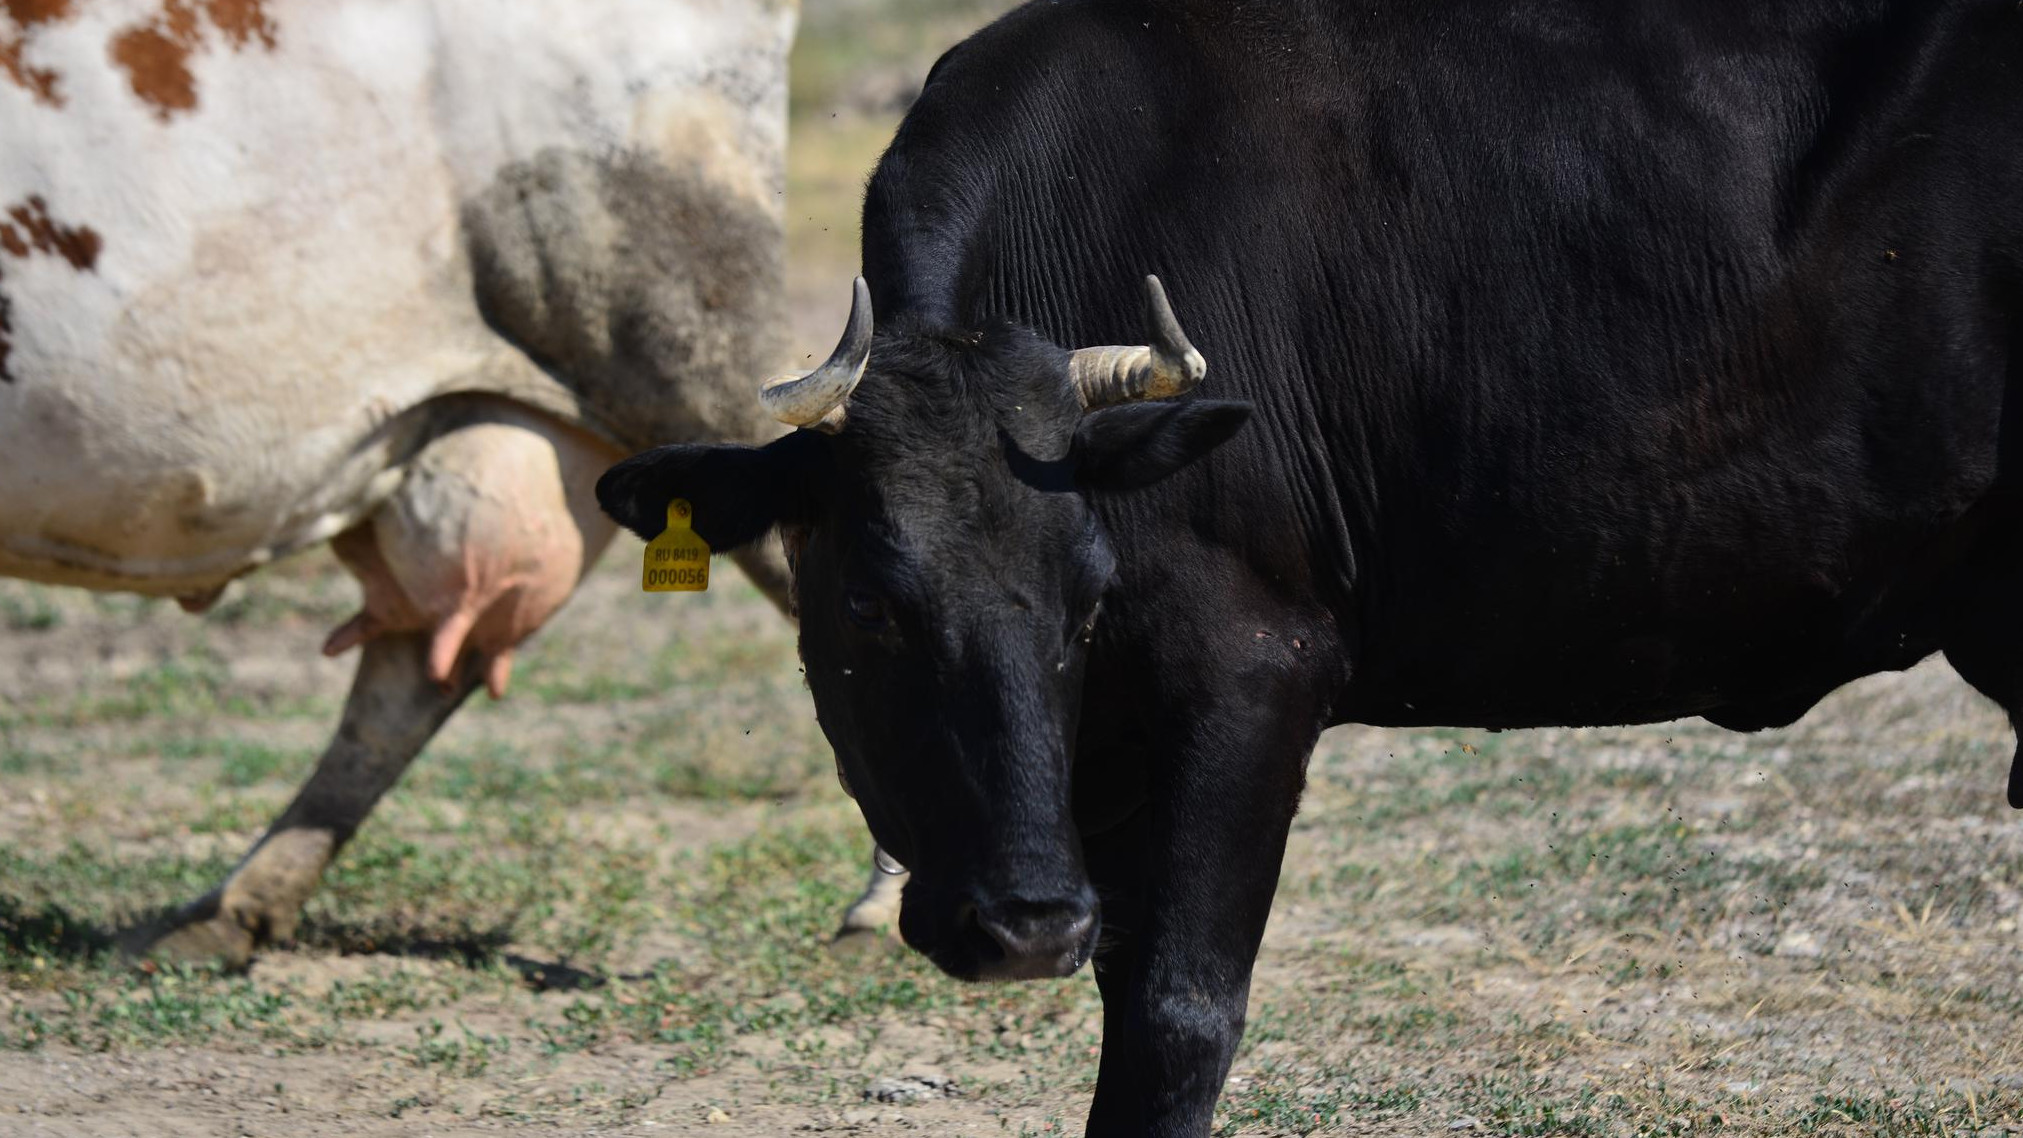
x=855, y=942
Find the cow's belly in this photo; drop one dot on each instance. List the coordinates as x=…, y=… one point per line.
x=172, y=489
x=165, y=437
x=184, y=410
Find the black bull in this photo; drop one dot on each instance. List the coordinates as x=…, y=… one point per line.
x=1593, y=363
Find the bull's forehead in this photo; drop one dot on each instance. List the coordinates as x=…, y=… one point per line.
x=959, y=528
x=956, y=498
x=954, y=457
x=935, y=391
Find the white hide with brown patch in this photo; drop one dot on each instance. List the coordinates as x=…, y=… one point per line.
x=407, y=274
x=281, y=281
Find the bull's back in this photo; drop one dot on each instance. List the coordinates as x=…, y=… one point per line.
x=1611, y=364
x=1693, y=398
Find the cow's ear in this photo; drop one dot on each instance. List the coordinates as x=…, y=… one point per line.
x=738, y=492
x=1123, y=448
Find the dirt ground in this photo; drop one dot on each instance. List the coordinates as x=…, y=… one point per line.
x=603, y=904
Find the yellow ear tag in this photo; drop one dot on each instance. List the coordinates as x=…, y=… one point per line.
x=677, y=561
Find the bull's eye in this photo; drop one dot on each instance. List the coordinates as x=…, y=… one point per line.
x=865, y=611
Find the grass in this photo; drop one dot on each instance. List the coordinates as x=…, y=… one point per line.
x=24, y=608
x=757, y=913
x=526, y=857
x=1580, y=933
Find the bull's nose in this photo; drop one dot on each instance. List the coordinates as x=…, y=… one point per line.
x=1039, y=938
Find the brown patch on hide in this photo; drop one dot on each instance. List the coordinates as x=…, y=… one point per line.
x=30, y=12
x=156, y=58
x=156, y=54
x=27, y=15
x=28, y=229
x=242, y=21
x=157, y=68
x=6, y=331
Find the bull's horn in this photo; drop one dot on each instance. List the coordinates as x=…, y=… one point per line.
x=1117, y=373
x=815, y=398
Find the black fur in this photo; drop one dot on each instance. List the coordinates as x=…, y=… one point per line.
x=1610, y=361
x=738, y=492
x=1124, y=448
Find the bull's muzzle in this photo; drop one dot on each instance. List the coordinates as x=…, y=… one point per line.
x=1032, y=940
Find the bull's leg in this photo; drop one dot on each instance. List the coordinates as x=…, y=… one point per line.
x=393, y=710
x=1992, y=666
x=1187, y=884
x=1983, y=647
x=875, y=913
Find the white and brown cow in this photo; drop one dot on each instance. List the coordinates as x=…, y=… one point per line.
x=401, y=275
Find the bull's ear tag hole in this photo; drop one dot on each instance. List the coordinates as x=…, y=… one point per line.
x=677, y=561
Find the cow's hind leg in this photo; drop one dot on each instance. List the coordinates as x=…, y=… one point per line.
x=393, y=709
x=486, y=536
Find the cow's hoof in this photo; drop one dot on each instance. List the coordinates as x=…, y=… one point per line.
x=203, y=933
x=856, y=942
x=258, y=905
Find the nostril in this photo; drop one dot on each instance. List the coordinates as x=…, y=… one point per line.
x=1029, y=930
x=967, y=920
x=1009, y=936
